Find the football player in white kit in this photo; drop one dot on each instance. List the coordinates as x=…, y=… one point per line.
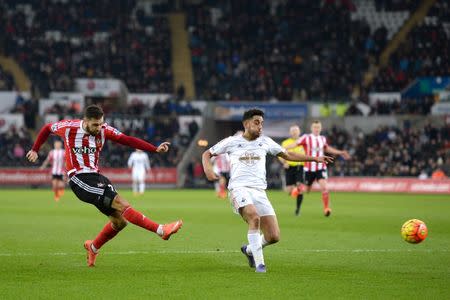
x=247, y=183
x=139, y=164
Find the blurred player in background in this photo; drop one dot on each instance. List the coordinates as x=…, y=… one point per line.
x=221, y=166
x=316, y=145
x=293, y=169
x=56, y=158
x=248, y=182
x=139, y=164
x=84, y=139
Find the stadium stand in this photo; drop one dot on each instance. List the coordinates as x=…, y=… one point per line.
x=424, y=53
x=57, y=41
x=279, y=50
x=391, y=151
x=6, y=80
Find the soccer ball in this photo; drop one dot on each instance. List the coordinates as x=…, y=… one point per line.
x=414, y=231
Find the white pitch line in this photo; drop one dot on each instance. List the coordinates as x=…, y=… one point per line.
x=11, y=254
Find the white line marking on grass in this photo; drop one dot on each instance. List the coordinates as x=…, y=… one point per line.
x=12, y=254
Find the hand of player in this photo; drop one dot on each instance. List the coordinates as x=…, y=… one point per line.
x=345, y=155
x=325, y=159
x=286, y=165
x=32, y=156
x=164, y=147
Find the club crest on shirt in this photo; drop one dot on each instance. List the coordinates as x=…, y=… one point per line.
x=249, y=158
x=100, y=184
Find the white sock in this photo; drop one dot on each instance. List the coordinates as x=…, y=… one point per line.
x=93, y=248
x=141, y=187
x=263, y=241
x=135, y=187
x=254, y=242
x=160, y=231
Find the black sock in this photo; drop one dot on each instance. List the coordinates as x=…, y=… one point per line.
x=299, y=201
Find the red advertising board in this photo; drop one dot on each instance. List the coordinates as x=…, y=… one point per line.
x=391, y=185
x=26, y=176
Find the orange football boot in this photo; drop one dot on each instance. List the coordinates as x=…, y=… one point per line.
x=171, y=228
x=91, y=256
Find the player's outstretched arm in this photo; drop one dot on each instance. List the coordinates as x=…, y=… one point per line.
x=344, y=154
x=140, y=144
x=208, y=167
x=32, y=155
x=293, y=156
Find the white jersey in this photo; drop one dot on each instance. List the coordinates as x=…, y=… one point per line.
x=139, y=162
x=247, y=159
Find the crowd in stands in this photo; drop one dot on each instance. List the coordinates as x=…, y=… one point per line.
x=14, y=143
x=419, y=106
x=391, y=151
x=246, y=50
x=426, y=52
x=6, y=80
x=397, y=5
x=58, y=41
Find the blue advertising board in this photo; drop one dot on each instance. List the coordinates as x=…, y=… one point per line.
x=233, y=111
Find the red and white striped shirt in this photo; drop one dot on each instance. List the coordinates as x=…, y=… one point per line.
x=57, y=157
x=222, y=163
x=82, y=149
x=314, y=146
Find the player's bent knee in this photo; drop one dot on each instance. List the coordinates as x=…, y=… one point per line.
x=119, y=203
x=253, y=220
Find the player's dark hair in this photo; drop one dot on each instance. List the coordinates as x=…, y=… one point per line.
x=252, y=112
x=93, y=112
x=316, y=122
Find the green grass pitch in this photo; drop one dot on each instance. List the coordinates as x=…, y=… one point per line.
x=357, y=253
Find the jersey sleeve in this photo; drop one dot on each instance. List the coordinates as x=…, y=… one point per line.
x=325, y=143
x=274, y=148
x=112, y=133
x=130, y=160
x=147, y=162
x=220, y=147
x=302, y=140
x=59, y=128
x=50, y=155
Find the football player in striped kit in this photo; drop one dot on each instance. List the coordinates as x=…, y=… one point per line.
x=83, y=140
x=56, y=157
x=316, y=145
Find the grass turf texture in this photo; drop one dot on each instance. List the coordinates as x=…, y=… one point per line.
x=356, y=253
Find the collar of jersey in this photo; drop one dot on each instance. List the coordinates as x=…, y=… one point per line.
x=81, y=127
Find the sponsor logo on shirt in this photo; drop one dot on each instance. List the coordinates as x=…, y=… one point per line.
x=84, y=150
x=249, y=158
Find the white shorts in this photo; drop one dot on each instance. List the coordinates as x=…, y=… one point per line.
x=138, y=176
x=243, y=196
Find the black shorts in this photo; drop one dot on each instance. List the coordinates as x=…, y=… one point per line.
x=311, y=176
x=95, y=189
x=294, y=175
x=58, y=176
x=226, y=175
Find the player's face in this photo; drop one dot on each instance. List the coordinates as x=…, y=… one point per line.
x=316, y=128
x=294, y=131
x=57, y=145
x=254, y=126
x=93, y=126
